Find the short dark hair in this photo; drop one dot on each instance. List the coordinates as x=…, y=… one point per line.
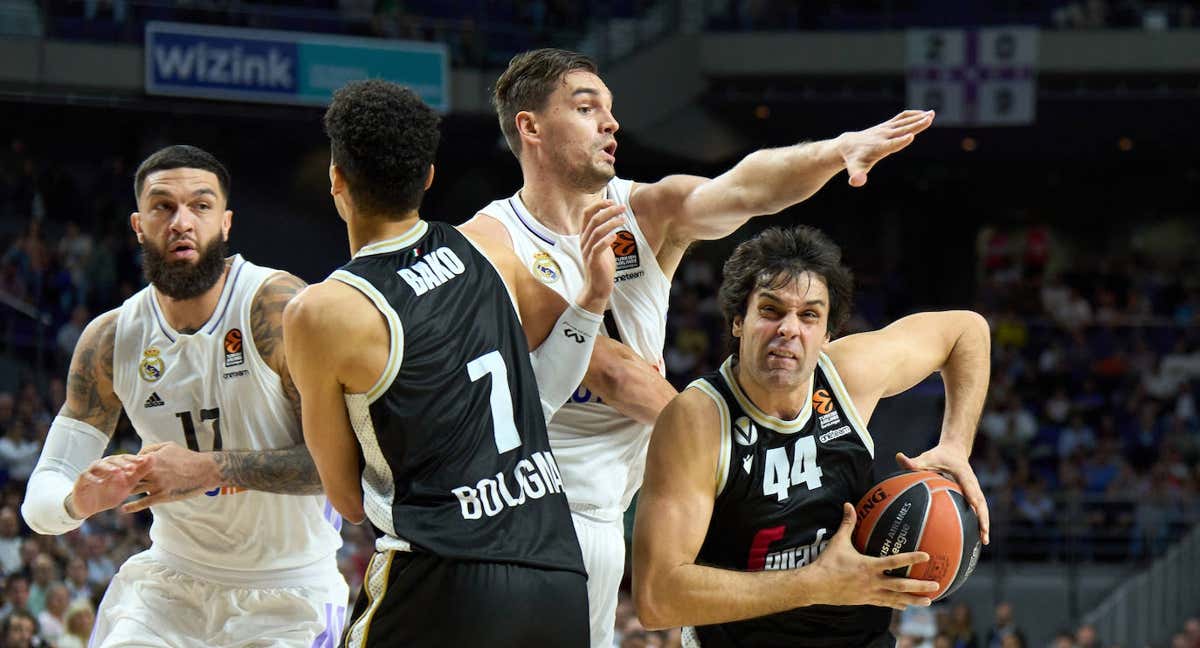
x=383, y=137
x=180, y=156
x=775, y=258
x=527, y=84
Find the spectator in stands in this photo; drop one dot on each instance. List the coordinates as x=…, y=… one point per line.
x=20, y=630
x=1180, y=640
x=77, y=579
x=69, y=333
x=1063, y=639
x=100, y=567
x=1003, y=626
x=44, y=574
x=961, y=628
x=16, y=595
x=53, y=620
x=1077, y=437
x=80, y=618
x=1085, y=637
x=10, y=541
x=19, y=451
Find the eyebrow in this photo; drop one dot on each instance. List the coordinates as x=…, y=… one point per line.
x=204, y=191
x=766, y=294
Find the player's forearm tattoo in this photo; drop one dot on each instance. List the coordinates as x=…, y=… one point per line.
x=89, y=382
x=289, y=471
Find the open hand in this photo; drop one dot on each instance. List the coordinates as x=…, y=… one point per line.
x=948, y=459
x=860, y=150
x=851, y=578
x=176, y=473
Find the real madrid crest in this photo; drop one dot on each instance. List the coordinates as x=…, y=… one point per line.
x=545, y=268
x=152, y=367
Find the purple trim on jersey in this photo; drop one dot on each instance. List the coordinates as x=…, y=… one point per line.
x=335, y=622
x=159, y=318
x=228, y=297
x=524, y=222
x=332, y=517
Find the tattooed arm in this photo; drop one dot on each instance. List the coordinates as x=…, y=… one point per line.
x=180, y=473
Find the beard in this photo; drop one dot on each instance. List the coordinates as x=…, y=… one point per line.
x=182, y=279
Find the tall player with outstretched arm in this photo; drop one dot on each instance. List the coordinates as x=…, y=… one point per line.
x=556, y=114
x=414, y=354
x=243, y=541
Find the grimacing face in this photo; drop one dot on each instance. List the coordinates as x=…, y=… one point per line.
x=781, y=335
x=578, y=130
x=183, y=224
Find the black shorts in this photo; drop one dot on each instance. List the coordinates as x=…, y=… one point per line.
x=414, y=599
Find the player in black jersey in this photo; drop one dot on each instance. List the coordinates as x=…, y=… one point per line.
x=744, y=522
x=412, y=359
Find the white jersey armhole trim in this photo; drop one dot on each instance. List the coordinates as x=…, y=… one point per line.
x=395, y=330
x=726, y=451
x=843, y=396
x=512, y=297
x=123, y=385
x=623, y=189
x=273, y=384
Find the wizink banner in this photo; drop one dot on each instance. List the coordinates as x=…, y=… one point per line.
x=285, y=67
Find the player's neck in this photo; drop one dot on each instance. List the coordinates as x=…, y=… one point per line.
x=364, y=231
x=188, y=315
x=783, y=404
x=555, y=204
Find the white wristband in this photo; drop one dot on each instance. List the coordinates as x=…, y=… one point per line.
x=561, y=361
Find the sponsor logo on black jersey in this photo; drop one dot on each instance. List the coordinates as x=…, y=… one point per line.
x=822, y=402
x=833, y=434
x=829, y=420
x=626, y=250
x=152, y=367
x=744, y=432
x=153, y=401
x=233, y=348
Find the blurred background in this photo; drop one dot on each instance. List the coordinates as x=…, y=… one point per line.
x=1056, y=193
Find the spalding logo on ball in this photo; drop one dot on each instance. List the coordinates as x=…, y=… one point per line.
x=921, y=511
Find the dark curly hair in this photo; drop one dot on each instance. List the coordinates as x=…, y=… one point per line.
x=180, y=156
x=775, y=258
x=528, y=82
x=383, y=137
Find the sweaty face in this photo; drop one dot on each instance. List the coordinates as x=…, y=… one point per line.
x=578, y=131
x=184, y=224
x=781, y=335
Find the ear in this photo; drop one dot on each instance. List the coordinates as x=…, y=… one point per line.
x=337, y=182
x=527, y=127
x=135, y=223
x=226, y=223
x=737, y=326
x=429, y=178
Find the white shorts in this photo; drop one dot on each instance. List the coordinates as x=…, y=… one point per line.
x=149, y=604
x=603, y=545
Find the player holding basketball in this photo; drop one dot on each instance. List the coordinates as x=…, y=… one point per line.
x=244, y=542
x=556, y=115
x=414, y=353
x=743, y=525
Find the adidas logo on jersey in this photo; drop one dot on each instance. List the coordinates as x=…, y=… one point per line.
x=153, y=401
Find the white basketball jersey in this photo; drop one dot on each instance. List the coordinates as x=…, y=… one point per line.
x=601, y=452
x=210, y=391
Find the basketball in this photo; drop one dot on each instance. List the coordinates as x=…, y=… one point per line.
x=921, y=511
x=624, y=245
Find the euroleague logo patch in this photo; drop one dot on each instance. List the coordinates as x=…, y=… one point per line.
x=822, y=402
x=625, y=248
x=233, y=348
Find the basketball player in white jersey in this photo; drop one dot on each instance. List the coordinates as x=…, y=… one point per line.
x=244, y=542
x=556, y=115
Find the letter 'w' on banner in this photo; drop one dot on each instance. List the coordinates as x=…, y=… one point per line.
x=974, y=77
x=285, y=67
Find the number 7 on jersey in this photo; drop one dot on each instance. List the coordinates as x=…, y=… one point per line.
x=503, y=425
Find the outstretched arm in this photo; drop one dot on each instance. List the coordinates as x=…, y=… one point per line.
x=180, y=473
x=673, y=514
x=680, y=209
x=887, y=362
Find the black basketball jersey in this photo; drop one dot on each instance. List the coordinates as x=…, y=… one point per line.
x=780, y=488
x=457, y=460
